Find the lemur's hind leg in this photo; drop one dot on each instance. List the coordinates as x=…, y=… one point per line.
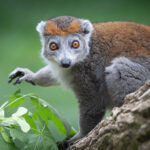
x=124, y=76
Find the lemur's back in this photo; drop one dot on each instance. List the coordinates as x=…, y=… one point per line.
x=123, y=38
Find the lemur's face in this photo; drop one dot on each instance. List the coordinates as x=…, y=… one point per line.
x=66, y=51
x=65, y=46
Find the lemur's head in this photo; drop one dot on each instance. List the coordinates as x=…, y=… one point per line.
x=65, y=40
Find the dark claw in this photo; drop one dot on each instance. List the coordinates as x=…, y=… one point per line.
x=12, y=77
x=17, y=81
x=17, y=74
x=10, y=80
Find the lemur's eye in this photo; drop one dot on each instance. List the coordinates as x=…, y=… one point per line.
x=75, y=44
x=53, y=46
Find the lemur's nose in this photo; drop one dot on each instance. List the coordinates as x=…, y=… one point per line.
x=65, y=63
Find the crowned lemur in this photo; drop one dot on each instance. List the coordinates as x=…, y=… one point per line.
x=101, y=63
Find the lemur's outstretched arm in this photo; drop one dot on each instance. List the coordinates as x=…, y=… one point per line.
x=43, y=77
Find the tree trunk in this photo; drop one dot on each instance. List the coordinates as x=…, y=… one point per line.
x=127, y=127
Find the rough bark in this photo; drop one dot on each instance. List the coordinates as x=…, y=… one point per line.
x=127, y=127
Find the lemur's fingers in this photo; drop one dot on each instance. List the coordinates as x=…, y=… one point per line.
x=18, y=81
x=19, y=72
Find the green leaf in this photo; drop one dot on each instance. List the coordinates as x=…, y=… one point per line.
x=47, y=125
x=46, y=114
x=66, y=125
x=5, y=135
x=31, y=122
x=28, y=141
x=17, y=99
x=14, y=102
x=55, y=133
x=6, y=146
x=3, y=105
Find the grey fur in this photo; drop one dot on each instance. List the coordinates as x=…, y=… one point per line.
x=63, y=21
x=96, y=84
x=124, y=76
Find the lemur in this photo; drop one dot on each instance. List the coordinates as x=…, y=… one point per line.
x=100, y=62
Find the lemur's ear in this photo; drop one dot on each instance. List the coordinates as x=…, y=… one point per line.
x=86, y=26
x=41, y=27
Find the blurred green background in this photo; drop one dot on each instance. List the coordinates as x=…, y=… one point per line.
x=20, y=44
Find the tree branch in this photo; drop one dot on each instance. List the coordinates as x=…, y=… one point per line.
x=127, y=128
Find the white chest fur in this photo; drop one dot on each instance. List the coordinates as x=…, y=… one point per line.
x=62, y=75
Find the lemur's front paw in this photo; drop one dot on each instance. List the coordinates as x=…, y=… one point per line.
x=21, y=74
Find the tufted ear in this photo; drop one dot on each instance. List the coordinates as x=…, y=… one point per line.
x=86, y=26
x=41, y=27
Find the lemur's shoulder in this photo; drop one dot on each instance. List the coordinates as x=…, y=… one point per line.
x=123, y=38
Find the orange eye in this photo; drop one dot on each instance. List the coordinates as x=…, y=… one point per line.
x=75, y=44
x=53, y=46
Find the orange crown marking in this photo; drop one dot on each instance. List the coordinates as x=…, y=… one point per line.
x=52, y=29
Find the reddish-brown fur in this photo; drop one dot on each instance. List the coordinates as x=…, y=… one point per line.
x=123, y=39
x=52, y=29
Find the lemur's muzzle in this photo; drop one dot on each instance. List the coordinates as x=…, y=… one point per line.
x=65, y=63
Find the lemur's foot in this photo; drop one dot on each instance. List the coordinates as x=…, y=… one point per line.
x=21, y=74
x=68, y=142
x=73, y=139
x=64, y=144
